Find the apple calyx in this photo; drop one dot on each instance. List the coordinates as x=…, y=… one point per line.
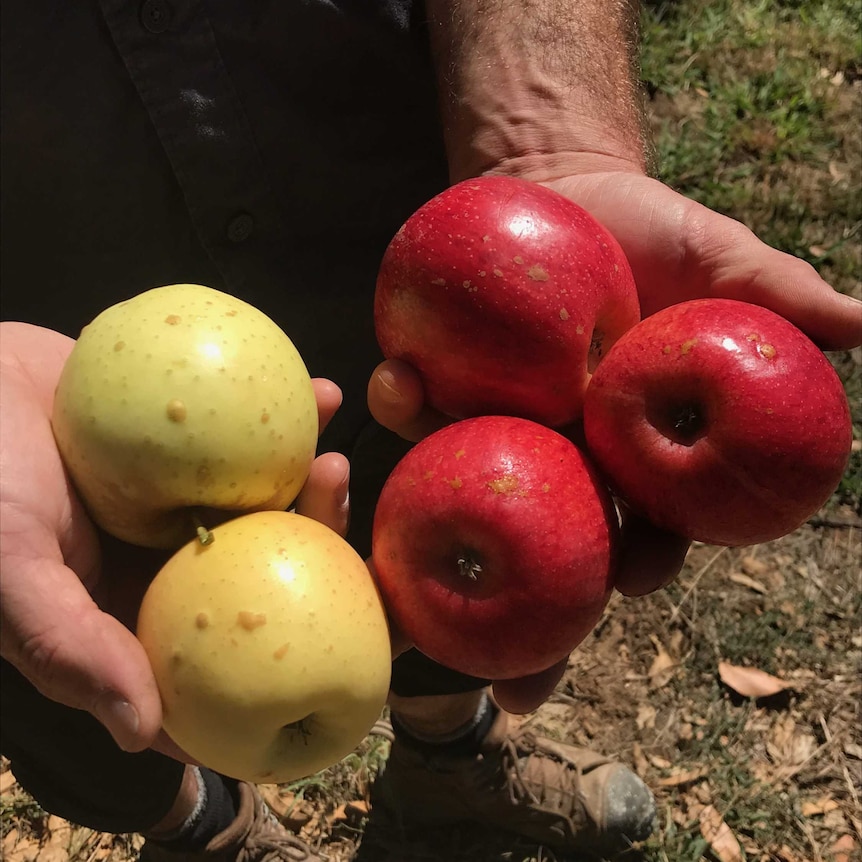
x=468, y=567
x=299, y=726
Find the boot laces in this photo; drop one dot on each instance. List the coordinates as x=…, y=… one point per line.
x=270, y=841
x=536, y=771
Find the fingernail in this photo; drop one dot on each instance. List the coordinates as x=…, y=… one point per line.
x=388, y=390
x=121, y=719
x=342, y=493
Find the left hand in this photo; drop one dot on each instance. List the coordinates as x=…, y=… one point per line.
x=678, y=250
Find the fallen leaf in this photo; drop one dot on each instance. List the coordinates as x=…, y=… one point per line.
x=789, y=745
x=818, y=806
x=750, y=681
x=785, y=854
x=640, y=762
x=746, y=581
x=843, y=849
x=663, y=666
x=645, y=716
x=7, y=781
x=719, y=836
x=659, y=762
x=681, y=777
x=753, y=566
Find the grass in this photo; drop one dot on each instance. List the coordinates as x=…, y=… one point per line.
x=756, y=109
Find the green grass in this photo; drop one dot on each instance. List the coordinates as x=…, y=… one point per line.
x=761, y=122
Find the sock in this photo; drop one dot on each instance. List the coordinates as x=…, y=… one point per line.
x=216, y=809
x=463, y=741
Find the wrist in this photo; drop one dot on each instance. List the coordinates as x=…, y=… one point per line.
x=532, y=84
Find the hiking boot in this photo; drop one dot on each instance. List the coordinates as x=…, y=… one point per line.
x=254, y=836
x=558, y=795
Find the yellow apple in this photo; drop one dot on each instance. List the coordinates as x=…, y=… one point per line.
x=270, y=647
x=183, y=397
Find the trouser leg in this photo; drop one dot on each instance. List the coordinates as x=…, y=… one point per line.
x=73, y=768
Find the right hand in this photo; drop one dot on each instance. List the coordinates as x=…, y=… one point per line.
x=61, y=616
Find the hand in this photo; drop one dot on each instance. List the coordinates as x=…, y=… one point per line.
x=68, y=597
x=678, y=250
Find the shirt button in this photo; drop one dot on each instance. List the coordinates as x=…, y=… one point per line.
x=156, y=15
x=240, y=227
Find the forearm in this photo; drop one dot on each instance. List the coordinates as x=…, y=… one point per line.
x=535, y=86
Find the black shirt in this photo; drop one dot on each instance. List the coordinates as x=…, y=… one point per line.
x=269, y=148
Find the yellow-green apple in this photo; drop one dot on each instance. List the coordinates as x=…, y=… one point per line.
x=178, y=398
x=720, y=421
x=269, y=645
x=494, y=544
x=503, y=295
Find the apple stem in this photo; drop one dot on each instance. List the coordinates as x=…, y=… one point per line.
x=205, y=536
x=469, y=568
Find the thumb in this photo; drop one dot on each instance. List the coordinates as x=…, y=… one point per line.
x=76, y=654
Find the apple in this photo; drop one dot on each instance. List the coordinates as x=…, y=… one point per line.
x=503, y=295
x=494, y=543
x=720, y=421
x=183, y=397
x=270, y=647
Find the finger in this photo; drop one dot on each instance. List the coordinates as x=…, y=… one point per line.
x=679, y=250
x=741, y=267
x=329, y=397
x=396, y=400
x=650, y=557
x=326, y=495
x=527, y=693
x=74, y=653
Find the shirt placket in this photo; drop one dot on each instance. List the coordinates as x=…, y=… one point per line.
x=172, y=57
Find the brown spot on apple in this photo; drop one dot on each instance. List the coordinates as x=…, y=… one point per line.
x=686, y=346
x=752, y=336
x=518, y=259
x=546, y=487
x=460, y=454
x=429, y=475
x=767, y=351
x=564, y=314
x=249, y=620
x=486, y=238
x=232, y=313
x=440, y=282
x=579, y=329
x=176, y=410
x=119, y=346
x=507, y=484
x=537, y=273
x=264, y=418
x=456, y=483
x=281, y=652
x=666, y=349
x=173, y=319
x=498, y=273
x=202, y=620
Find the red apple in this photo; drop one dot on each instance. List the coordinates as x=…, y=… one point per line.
x=494, y=543
x=504, y=295
x=719, y=420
